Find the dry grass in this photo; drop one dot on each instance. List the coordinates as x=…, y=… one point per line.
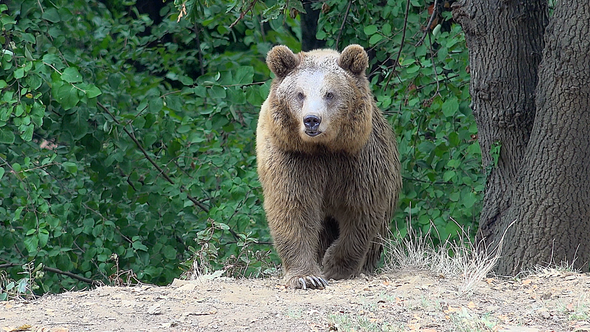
x=460, y=258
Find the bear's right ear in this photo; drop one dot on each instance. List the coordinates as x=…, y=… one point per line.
x=354, y=59
x=281, y=60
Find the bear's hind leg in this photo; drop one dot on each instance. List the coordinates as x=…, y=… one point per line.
x=375, y=249
x=329, y=233
x=346, y=257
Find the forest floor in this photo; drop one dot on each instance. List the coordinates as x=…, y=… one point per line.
x=407, y=300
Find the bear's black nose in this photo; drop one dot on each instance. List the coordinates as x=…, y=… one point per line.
x=311, y=122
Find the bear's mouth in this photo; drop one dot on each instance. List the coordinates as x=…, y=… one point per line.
x=312, y=133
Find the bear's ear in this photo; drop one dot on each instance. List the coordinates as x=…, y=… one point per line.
x=281, y=60
x=354, y=59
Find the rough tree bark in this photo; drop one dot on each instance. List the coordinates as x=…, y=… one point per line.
x=538, y=195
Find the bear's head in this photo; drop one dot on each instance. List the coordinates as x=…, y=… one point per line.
x=320, y=100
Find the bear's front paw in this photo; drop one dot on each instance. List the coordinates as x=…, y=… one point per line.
x=306, y=282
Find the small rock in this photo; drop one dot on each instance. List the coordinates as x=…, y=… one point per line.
x=179, y=283
x=544, y=313
x=187, y=287
x=155, y=309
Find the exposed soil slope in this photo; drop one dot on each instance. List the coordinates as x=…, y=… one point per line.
x=408, y=301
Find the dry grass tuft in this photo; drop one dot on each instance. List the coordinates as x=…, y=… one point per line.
x=459, y=258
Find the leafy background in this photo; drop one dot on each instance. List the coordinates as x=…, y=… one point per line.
x=127, y=141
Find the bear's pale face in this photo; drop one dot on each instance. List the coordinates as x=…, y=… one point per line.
x=316, y=102
x=319, y=100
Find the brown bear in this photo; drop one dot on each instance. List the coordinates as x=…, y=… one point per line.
x=328, y=164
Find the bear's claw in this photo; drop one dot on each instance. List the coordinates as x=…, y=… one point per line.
x=312, y=282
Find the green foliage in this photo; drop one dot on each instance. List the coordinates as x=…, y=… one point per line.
x=24, y=286
x=114, y=146
x=129, y=144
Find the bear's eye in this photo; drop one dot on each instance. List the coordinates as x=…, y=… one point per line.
x=329, y=96
x=300, y=96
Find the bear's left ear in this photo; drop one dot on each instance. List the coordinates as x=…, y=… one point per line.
x=354, y=59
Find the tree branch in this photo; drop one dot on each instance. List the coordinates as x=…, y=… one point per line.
x=74, y=276
x=200, y=52
x=242, y=14
x=343, y=22
x=401, y=45
x=434, y=14
x=140, y=147
x=54, y=270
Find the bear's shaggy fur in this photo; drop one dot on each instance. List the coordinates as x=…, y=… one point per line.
x=328, y=164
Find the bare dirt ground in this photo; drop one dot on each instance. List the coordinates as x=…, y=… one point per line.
x=551, y=300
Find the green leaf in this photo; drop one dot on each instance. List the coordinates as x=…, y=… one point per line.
x=31, y=243
x=184, y=129
x=27, y=132
x=217, y=92
x=186, y=80
x=386, y=29
x=375, y=39
x=450, y=106
x=370, y=29
x=19, y=73
x=2, y=171
x=92, y=91
x=244, y=75
x=449, y=175
x=436, y=30
x=70, y=167
x=71, y=75
x=6, y=136
x=407, y=62
x=51, y=15
x=67, y=96
x=469, y=200
x=426, y=147
x=200, y=91
x=169, y=252
x=139, y=246
x=43, y=237
x=22, y=286
x=114, y=80
x=155, y=105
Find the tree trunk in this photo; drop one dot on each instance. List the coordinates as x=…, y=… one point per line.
x=309, y=28
x=505, y=40
x=551, y=205
x=537, y=196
